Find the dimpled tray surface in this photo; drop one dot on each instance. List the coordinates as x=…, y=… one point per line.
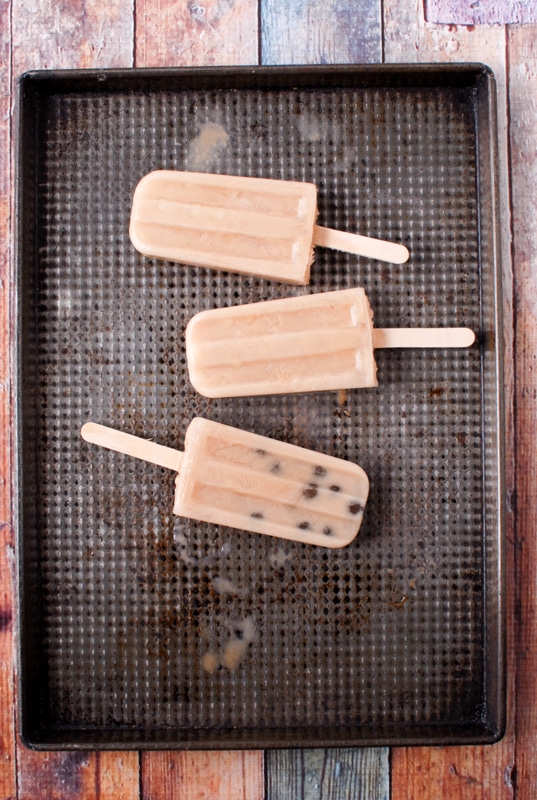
x=139, y=629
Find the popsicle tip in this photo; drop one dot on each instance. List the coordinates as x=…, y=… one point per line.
x=405, y=254
x=468, y=337
x=87, y=430
x=396, y=253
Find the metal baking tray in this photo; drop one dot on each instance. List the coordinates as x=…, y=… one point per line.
x=128, y=615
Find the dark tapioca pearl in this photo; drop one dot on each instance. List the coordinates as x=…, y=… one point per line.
x=276, y=468
x=304, y=526
x=319, y=471
x=355, y=508
x=310, y=491
x=261, y=452
x=335, y=488
x=256, y=515
x=328, y=531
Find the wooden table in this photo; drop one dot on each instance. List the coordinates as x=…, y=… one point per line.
x=123, y=33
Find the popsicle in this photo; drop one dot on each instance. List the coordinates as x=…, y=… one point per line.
x=251, y=482
x=256, y=226
x=316, y=342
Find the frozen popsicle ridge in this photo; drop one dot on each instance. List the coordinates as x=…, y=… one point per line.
x=255, y=226
x=299, y=344
x=232, y=477
x=267, y=486
x=317, y=342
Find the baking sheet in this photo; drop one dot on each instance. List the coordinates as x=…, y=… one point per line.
x=139, y=629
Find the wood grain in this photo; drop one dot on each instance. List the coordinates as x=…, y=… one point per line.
x=480, y=12
x=468, y=773
x=457, y=773
x=320, y=31
x=56, y=776
x=77, y=776
x=118, y=776
x=205, y=33
x=202, y=775
x=338, y=774
x=51, y=35
x=7, y=605
x=122, y=442
x=522, y=55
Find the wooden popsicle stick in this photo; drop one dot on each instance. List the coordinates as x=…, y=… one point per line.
x=122, y=442
x=360, y=245
x=422, y=337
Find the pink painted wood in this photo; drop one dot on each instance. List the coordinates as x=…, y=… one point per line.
x=523, y=136
x=8, y=782
x=175, y=33
x=480, y=12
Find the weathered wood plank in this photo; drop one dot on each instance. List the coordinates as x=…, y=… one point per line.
x=202, y=775
x=320, y=31
x=522, y=54
x=56, y=776
x=118, y=776
x=337, y=774
x=7, y=716
x=50, y=35
x=409, y=38
x=78, y=776
x=457, y=773
x=480, y=12
x=214, y=32
x=7, y=713
x=464, y=772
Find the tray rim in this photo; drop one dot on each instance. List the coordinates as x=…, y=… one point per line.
x=39, y=78
x=50, y=82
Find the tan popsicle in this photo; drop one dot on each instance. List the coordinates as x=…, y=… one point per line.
x=316, y=342
x=254, y=226
x=254, y=483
